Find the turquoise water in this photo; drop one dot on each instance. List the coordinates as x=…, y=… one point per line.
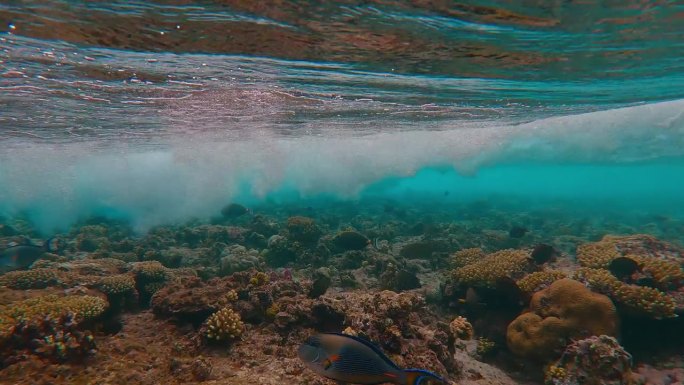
x=161, y=111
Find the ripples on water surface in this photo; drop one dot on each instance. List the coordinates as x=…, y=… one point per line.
x=321, y=97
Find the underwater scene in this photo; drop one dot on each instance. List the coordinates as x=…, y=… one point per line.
x=417, y=192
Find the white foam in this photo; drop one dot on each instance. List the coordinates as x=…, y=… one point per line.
x=193, y=176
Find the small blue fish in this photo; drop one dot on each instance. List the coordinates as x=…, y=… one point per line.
x=351, y=360
x=21, y=256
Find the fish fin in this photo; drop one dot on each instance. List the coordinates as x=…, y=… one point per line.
x=51, y=245
x=416, y=377
x=372, y=346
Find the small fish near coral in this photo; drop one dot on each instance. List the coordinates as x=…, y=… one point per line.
x=21, y=256
x=352, y=360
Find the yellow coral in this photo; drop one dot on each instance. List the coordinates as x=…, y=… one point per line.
x=259, y=278
x=231, y=296
x=461, y=328
x=554, y=374
x=539, y=280
x=224, y=325
x=350, y=331
x=486, y=271
x=667, y=275
x=640, y=299
x=272, y=310
x=484, y=346
x=29, y=279
x=466, y=257
x=597, y=254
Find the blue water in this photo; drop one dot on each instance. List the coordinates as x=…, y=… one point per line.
x=161, y=111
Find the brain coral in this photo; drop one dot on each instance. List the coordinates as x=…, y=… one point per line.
x=563, y=311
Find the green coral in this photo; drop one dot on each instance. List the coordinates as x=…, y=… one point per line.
x=486, y=271
x=640, y=299
x=29, y=279
x=116, y=284
x=224, y=325
x=539, y=280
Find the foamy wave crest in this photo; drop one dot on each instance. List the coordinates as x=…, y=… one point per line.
x=193, y=176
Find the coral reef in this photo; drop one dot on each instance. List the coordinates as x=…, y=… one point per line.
x=563, y=311
x=486, y=271
x=460, y=328
x=637, y=299
x=597, y=360
x=116, y=284
x=539, y=280
x=303, y=229
x=224, y=325
x=466, y=257
x=29, y=279
x=232, y=303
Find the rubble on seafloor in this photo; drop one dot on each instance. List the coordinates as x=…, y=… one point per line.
x=229, y=302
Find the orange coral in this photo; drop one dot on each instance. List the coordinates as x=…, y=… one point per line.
x=564, y=310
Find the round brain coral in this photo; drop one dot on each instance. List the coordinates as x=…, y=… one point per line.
x=563, y=311
x=224, y=325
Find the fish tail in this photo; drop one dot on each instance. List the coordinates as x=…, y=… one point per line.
x=416, y=376
x=51, y=245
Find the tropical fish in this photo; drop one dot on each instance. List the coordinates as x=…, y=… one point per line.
x=20, y=256
x=352, y=360
x=543, y=253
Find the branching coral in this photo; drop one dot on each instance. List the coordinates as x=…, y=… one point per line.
x=116, y=284
x=466, y=257
x=50, y=325
x=539, y=280
x=29, y=279
x=501, y=264
x=224, y=325
x=639, y=299
x=597, y=254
